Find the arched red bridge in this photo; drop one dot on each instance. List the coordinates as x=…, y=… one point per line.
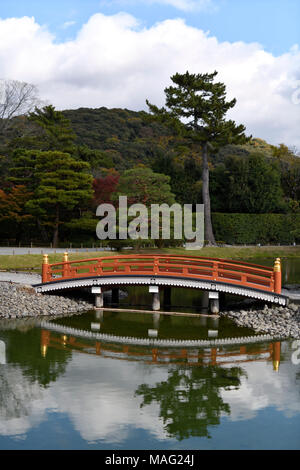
x=209, y=274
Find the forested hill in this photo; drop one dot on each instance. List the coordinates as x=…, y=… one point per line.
x=94, y=126
x=127, y=136
x=122, y=138
x=93, y=150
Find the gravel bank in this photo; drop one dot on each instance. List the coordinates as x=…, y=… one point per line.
x=20, y=300
x=283, y=322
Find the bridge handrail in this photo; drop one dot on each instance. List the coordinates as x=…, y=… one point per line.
x=188, y=258
x=217, y=269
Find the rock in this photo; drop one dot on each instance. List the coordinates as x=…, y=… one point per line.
x=27, y=288
x=17, y=301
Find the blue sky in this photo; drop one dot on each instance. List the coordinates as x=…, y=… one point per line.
x=272, y=23
x=118, y=53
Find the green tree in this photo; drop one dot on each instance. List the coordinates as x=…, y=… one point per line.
x=289, y=163
x=23, y=168
x=184, y=168
x=23, y=172
x=64, y=184
x=141, y=185
x=98, y=160
x=202, y=106
x=58, y=131
x=249, y=184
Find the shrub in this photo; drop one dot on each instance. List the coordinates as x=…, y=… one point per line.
x=252, y=229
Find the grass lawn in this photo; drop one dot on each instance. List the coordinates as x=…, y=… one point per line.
x=34, y=262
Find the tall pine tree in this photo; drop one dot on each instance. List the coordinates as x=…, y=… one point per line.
x=59, y=134
x=196, y=108
x=63, y=185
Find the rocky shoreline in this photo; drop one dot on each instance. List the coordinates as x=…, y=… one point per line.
x=22, y=301
x=280, y=322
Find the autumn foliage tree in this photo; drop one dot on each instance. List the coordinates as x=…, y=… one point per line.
x=14, y=218
x=104, y=187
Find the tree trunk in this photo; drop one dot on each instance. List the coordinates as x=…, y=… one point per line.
x=56, y=225
x=208, y=230
x=43, y=231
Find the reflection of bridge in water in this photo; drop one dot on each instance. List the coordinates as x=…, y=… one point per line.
x=210, y=353
x=212, y=275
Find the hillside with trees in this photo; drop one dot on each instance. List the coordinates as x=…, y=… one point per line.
x=57, y=166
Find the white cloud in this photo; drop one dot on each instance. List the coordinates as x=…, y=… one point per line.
x=114, y=62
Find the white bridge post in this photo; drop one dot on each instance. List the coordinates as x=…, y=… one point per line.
x=155, y=297
x=214, y=304
x=98, y=296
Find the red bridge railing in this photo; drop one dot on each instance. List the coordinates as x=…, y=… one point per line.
x=212, y=269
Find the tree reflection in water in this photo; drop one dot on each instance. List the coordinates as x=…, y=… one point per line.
x=24, y=350
x=190, y=399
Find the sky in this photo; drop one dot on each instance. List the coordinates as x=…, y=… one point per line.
x=118, y=53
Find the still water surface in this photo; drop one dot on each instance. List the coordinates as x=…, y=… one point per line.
x=68, y=391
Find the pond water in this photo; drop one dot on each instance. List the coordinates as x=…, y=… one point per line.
x=63, y=390
x=290, y=268
x=85, y=381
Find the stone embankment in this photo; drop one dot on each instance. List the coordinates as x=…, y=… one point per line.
x=281, y=322
x=19, y=301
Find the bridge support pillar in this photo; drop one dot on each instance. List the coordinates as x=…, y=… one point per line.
x=214, y=304
x=98, y=296
x=99, y=300
x=154, y=290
